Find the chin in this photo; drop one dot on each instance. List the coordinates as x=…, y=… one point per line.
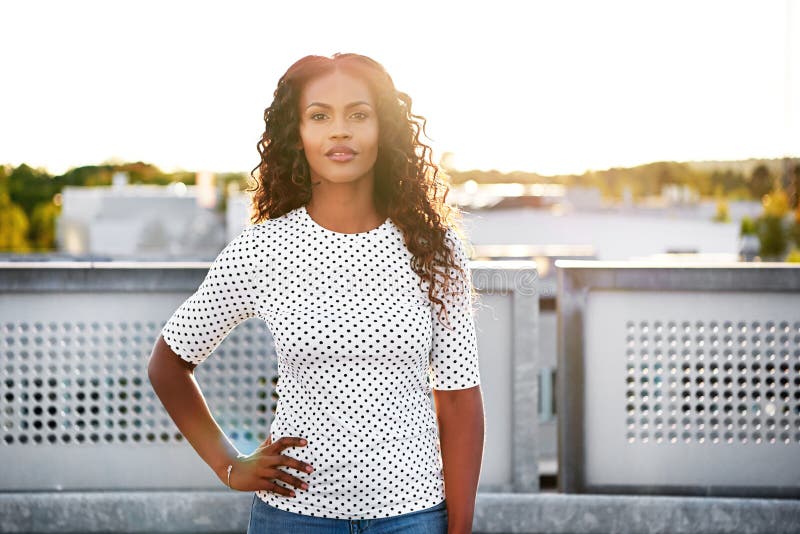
x=341, y=178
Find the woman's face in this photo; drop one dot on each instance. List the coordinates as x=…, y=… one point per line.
x=337, y=110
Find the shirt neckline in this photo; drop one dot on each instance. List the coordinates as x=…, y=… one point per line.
x=319, y=228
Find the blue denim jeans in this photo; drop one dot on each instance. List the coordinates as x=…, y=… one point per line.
x=266, y=519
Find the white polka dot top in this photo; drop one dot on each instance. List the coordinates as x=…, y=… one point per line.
x=359, y=348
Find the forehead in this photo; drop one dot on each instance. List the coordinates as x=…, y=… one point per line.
x=337, y=89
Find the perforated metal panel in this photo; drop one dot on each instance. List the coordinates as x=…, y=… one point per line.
x=679, y=380
x=79, y=390
x=689, y=388
x=721, y=382
x=87, y=383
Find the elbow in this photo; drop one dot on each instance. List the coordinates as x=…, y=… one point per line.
x=155, y=367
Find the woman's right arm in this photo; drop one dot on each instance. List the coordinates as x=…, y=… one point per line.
x=224, y=299
x=173, y=381
x=189, y=337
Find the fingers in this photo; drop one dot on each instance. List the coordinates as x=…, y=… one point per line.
x=277, y=474
x=270, y=461
x=274, y=488
x=294, y=463
x=282, y=443
x=288, y=441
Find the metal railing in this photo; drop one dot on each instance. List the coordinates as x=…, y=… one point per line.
x=79, y=411
x=679, y=379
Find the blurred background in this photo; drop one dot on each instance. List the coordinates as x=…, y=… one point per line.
x=129, y=128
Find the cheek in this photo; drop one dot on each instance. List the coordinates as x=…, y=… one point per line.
x=305, y=139
x=308, y=135
x=373, y=136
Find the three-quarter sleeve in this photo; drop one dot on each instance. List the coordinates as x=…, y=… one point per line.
x=224, y=299
x=454, y=353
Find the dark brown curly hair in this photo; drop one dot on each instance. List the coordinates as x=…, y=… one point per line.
x=409, y=188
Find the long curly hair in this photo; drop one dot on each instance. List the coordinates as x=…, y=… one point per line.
x=409, y=188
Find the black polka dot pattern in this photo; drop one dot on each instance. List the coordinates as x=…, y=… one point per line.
x=359, y=349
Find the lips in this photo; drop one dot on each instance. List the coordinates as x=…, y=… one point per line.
x=341, y=154
x=340, y=150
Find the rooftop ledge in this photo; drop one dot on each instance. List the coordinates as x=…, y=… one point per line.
x=677, y=264
x=227, y=511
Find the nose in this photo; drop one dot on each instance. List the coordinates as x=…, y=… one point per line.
x=339, y=129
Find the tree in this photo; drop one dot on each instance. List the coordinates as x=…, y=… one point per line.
x=761, y=181
x=776, y=203
x=747, y=226
x=771, y=232
x=729, y=180
x=28, y=187
x=13, y=226
x=772, y=237
x=794, y=229
x=43, y=226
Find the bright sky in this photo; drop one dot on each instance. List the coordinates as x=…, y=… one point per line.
x=543, y=86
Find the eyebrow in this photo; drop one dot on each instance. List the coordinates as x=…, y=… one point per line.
x=350, y=105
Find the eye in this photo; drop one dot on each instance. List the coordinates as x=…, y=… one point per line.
x=316, y=114
x=363, y=115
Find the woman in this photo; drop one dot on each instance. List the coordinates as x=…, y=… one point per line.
x=354, y=263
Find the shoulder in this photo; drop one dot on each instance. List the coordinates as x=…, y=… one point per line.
x=272, y=231
x=268, y=225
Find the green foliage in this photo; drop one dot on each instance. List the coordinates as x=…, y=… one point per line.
x=748, y=227
x=739, y=193
x=30, y=193
x=43, y=226
x=761, y=181
x=722, y=214
x=730, y=183
x=643, y=180
x=28, y=187
x=776, y=203
x=138, y=173
x=793, y=256
x=794, y=231
x=13, y=226
x=772, y=236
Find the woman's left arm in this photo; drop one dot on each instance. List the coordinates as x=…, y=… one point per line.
x=461, y=433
